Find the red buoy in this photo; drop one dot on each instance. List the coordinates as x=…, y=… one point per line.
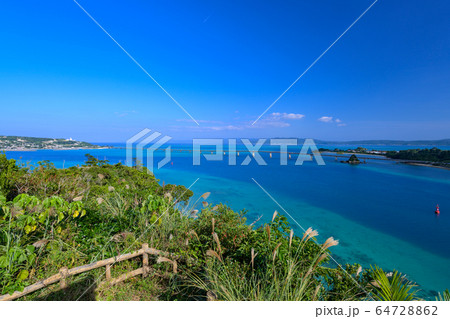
x=437, y=210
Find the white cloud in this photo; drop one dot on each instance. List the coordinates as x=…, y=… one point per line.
x=264, y=123
x=273, y=120
x=208, y=128
x=326, y=119
x=277, y=120
x=287, y=116
x=269, y=123
x=225, y=128
x=330, y=119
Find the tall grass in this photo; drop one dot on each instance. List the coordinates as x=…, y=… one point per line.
x=285, y=278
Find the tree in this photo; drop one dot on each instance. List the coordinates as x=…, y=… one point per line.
x=360, y=149
x=92, y=161
x=7, y=170
x=354, y=159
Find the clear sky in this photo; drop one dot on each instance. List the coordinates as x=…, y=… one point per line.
x=225, y=62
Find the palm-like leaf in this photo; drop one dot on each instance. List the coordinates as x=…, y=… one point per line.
x=444, y=297
x=394, y=287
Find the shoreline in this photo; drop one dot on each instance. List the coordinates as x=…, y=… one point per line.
x=426, y=165
x=400, y=161
x=353, y=153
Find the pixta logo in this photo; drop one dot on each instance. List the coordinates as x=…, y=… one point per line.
x=252, y=151
x=146, y=140
x=141, y=148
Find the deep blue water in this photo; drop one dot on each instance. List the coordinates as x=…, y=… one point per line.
x=382, y=212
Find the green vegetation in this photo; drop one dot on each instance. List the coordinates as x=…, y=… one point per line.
x=443, y=142
x=26, y=143
x=445, y=296
x=354, y=159
x=429, y=155
x=393, y=286
x=358, y=150
x=50, y=218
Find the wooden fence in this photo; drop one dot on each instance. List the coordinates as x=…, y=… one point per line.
x=64, y=272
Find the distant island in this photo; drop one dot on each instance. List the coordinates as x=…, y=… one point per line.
x=442, y=142
x=354, y=160
x=22, y=143
x=359, y=150
x=428, y=157
x=425, y=157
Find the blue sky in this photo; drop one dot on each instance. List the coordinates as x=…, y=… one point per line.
x=225, y=62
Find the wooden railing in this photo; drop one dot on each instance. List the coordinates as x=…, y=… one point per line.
x=64, y=272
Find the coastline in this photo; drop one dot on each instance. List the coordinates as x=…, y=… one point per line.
x=426, y=165
x=354, y=153
x=400, y=161
x=366, y=253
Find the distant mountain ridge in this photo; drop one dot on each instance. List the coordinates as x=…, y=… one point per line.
x=442, y=142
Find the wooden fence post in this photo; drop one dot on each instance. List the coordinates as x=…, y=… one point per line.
x=63, y=272
x=108, y=272
x=144, y=260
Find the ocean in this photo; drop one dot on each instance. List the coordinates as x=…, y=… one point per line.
x=382, y=212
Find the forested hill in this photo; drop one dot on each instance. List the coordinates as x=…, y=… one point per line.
x=9, y=143
x=429, y=155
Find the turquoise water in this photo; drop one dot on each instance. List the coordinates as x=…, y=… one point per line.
x=382, y=212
